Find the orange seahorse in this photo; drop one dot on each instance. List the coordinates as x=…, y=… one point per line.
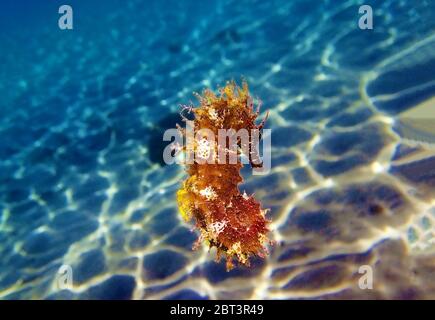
x=232, y=222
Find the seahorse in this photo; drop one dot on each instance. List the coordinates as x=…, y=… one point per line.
x=232, y=222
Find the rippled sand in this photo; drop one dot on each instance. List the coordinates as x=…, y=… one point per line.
x=80, y=178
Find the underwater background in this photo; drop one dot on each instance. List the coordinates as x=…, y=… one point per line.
x=83, y=111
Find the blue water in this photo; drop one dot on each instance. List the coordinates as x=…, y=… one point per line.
x=83, y=111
